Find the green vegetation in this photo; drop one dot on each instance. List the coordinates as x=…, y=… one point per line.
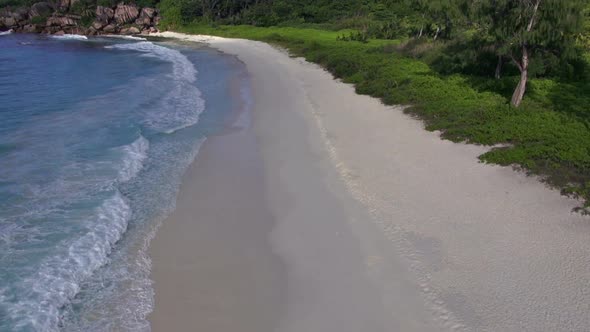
x=447, y=73
x=519, y=29
x=39, y=20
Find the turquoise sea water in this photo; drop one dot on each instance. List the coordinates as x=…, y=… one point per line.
x=95, y=135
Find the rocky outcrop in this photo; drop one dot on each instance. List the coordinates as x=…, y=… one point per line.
x=61, y=21
x=126, y=14
x=146, y=17
x=111, y=28
x=20, y=14
x=42, y=9
x=8, y=22
x=97, y=25
x=32, y=28
x=104, y=14
x=57, y=17
x=130, y=31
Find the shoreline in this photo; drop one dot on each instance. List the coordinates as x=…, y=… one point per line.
x=222, y=273
x=227, y=263
x=379, y=223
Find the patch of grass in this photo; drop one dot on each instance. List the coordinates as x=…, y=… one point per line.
x=549, y=135
x=39, y=20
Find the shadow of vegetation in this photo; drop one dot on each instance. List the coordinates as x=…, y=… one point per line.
x=572, y=99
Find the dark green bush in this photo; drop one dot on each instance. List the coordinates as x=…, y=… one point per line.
x=40, y=20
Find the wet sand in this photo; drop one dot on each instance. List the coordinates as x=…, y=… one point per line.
x=346, y=215
x=213, y=265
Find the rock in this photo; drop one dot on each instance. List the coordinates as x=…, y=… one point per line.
x=111, y=28
x=148, y=12
x=153, y=30
x=60, y=33
x=8, y=22
x=126, y=14
x=77, y=30
x=104, y=14
x=40, y=9
x=130, y=31
x=51, y=30
x=146, y=16
x=31, y=28
x=97, y=25
x=145, y=21
x=11, y=19
x=20, y=14
x=60, y=21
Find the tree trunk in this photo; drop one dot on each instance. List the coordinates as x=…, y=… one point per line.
x=421, y=27
x=524, y=75
x=520, y=89
x=499, y=66
x=437, y=32
x=523, y=66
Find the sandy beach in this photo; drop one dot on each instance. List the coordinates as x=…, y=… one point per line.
x=329, y=211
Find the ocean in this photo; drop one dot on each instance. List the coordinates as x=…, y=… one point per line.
x=95, y=135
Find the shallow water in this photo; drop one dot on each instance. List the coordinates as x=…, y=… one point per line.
x=95, y=135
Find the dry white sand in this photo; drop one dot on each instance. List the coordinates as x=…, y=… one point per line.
x=379, y=225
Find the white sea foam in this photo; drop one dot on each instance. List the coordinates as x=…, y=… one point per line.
x=182, y=105
x=135, y=154
x=70, y=37
x=58, y=279
x=4, y=33
x=123, y=37
x=126, y=283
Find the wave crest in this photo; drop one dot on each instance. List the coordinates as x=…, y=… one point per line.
x=182, y=106
x=70, y=37
x=58, y=279
x=123, y=37
x=135, y=155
